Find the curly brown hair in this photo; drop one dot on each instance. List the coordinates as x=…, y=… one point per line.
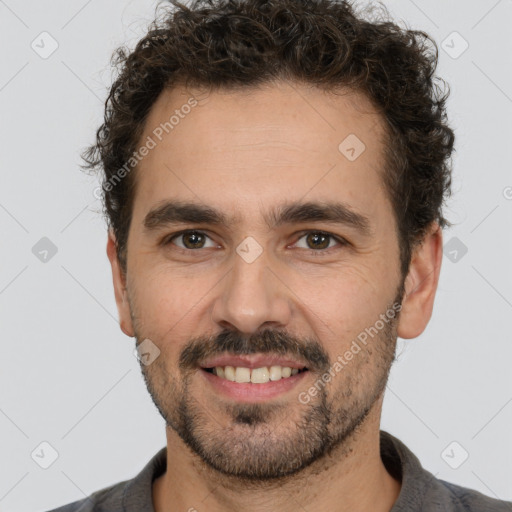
x=235, y=44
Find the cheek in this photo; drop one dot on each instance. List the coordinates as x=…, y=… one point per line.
x=168, y=295
x=345, y=304
x=167, y=308
x=174, y=301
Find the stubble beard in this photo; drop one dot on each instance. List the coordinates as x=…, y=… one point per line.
x=256, y=443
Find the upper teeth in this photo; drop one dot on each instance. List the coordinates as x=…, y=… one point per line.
x=256, y=375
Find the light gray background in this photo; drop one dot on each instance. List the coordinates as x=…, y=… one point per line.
x=67, y=373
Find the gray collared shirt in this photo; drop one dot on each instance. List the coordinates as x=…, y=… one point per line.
x=421, y=491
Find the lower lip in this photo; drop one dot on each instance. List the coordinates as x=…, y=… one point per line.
x=249, y=392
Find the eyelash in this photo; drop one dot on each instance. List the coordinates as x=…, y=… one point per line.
x=341, y=241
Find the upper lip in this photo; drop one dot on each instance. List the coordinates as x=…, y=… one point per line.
x=252, y=361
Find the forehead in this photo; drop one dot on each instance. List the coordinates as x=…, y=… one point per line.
x=238, y=150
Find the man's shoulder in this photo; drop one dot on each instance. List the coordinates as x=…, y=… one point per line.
x=422, y=491
x=133, y=495
x=107, y=499
x=463, y=499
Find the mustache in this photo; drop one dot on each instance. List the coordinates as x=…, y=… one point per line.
x=265, y=342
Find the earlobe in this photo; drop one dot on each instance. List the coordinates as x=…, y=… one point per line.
x=119, y=282
x=421, y=285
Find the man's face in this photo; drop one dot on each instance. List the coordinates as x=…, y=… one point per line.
x=300, y=287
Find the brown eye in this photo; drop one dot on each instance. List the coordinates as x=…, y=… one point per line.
x=319, y=241
x=193, y=240
x=189, y=240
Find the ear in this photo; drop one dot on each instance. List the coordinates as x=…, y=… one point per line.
x=421, y=284
x=119, y=281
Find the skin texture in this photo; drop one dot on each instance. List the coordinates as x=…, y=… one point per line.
x=245, y=153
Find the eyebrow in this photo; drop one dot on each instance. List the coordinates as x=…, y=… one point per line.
x=170, y=212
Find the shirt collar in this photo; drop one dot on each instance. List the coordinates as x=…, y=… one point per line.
x=400, y=462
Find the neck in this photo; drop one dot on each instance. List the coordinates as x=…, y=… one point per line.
x=351, y=478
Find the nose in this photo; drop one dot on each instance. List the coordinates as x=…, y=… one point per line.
x=252, y=297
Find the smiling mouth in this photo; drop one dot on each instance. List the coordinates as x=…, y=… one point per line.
x=261, y=375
